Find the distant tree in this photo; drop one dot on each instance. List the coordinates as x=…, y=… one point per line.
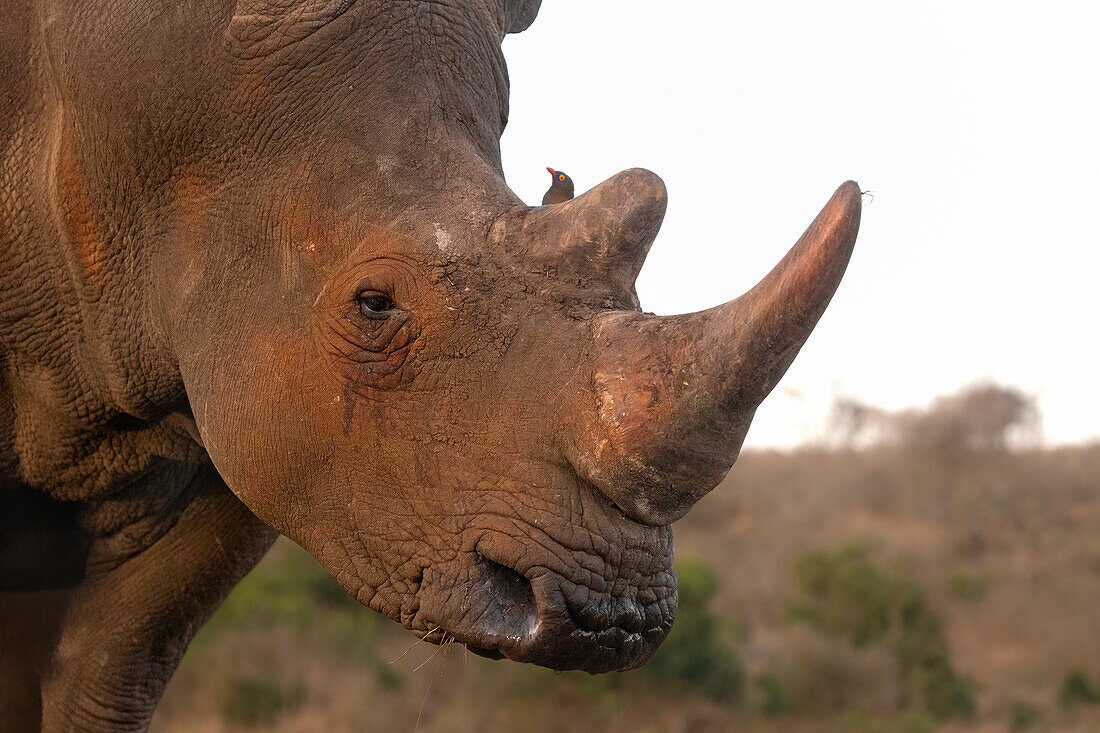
x=852, y=422
x=979, y=417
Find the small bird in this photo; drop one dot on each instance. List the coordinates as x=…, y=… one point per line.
x=561, y=190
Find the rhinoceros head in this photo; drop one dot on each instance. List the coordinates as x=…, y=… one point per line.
x=451, y=399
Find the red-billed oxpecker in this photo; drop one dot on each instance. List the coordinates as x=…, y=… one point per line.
x=560, y=191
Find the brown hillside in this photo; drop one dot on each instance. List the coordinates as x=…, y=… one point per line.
x=1001, y=549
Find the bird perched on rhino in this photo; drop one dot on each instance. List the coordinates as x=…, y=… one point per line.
x=560, y=191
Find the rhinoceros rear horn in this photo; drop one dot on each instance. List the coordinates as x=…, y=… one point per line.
x=599, y=240
x=674, y=395
x=519, y=14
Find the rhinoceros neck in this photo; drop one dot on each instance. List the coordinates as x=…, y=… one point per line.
x=89, y=396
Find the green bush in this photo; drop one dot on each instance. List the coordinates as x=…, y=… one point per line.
x=696, y=653
x=259, y=701
x=774, y=699
x=843, y=593
x=1022, y=715
x=289, y=588
x=967, y=587
x=1078, y=690
x=912, y=721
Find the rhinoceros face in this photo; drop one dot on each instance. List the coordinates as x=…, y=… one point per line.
x=450, y=399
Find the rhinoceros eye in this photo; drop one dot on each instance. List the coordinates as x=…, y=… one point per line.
x=374, y=304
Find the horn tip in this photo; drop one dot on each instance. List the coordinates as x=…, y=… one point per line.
x=851, y=192
x=646, y=180
x=845, y=206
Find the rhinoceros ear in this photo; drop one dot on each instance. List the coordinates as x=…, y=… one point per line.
x=519, y=14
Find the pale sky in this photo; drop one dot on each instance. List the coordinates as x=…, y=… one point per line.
x=976, y=124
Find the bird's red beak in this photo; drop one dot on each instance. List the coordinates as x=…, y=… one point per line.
x=552, y=171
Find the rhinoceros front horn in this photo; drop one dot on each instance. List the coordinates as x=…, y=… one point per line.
x=672, y=396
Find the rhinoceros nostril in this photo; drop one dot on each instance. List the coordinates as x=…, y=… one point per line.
x=512, y=611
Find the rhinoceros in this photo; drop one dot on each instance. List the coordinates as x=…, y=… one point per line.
x=262, y=274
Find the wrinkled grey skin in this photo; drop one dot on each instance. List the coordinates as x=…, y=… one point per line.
x=197, y=201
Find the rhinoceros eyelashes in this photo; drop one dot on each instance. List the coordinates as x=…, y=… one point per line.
x=373, y=304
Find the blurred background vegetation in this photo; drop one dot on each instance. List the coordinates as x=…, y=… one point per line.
x=922, y=570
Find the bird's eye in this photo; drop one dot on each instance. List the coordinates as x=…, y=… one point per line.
x=561, y=178
x=373, y=305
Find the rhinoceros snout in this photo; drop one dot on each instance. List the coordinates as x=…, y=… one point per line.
x=589, y=614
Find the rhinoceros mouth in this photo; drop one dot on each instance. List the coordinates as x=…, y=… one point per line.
x=543, y=617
